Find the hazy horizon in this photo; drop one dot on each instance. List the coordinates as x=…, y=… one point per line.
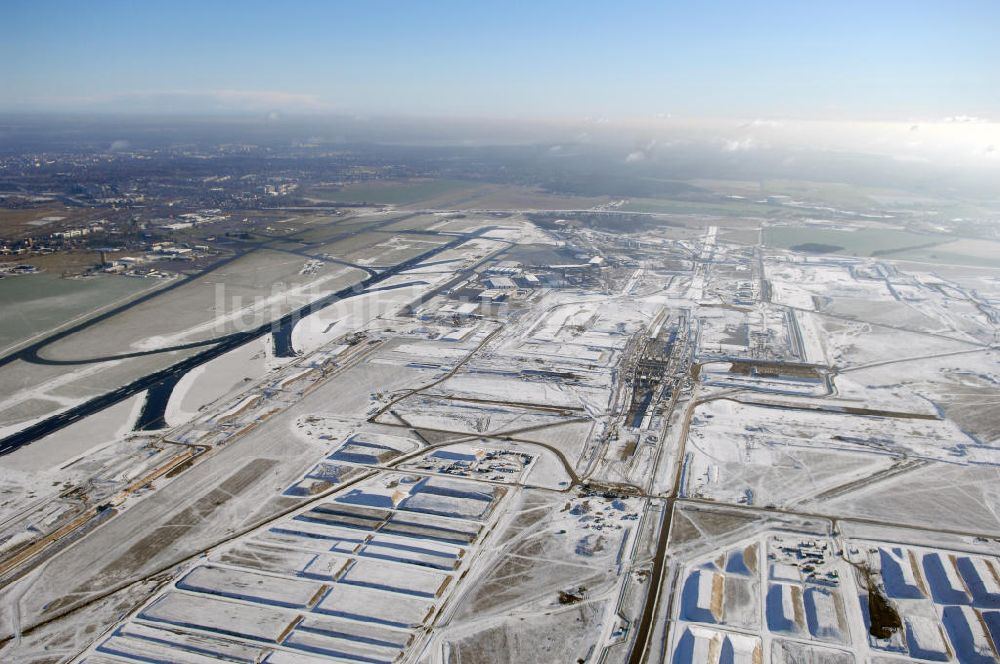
x=962, y=149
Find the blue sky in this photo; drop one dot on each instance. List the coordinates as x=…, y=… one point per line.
x=844, y=59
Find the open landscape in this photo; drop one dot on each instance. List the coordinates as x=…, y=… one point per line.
x=500, y=333
x=376, y=424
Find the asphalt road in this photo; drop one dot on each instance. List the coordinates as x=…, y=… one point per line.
x=222, y=345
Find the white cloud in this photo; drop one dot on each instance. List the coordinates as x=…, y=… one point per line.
x=911, y=159
x=965, y=119
x=740, y=145
x=763, y=123
x=267, y=98
x=189, y=101
x=641, y=154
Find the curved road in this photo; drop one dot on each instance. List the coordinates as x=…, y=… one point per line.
x=222, y=345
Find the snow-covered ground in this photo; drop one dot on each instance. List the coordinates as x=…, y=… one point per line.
x=432, y=478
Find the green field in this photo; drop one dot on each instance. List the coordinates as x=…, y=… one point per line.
x=33, y=304
x=863, y=242
x=749, y=236
x=735, y=208
x=975, y=253
x=405, y=192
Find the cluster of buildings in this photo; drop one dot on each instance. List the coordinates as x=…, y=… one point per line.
x=67, y=238
x=139, y=266
x=495, y=464
x=192, y=219
x=507, y=278
x=280, y=189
